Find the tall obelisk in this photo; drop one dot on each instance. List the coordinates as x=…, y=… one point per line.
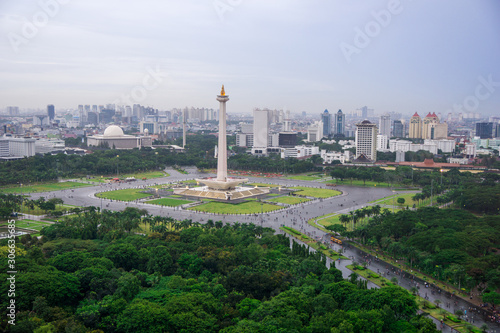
x=222, y=154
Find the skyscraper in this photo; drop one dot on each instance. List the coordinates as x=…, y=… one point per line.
x=364, y=112
x=484, y=130
x=326, y=118
x=366, y=140
x=339, y=124
x=398, y=129
x=415, y=127
x=426, y=126
x=385, y=125
x=260, y=131
x=51, y=111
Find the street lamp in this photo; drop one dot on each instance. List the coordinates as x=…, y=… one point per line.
x=117, y=165
x=261, y=213
x=441, y=170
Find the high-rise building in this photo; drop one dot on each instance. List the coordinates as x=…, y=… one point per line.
x=426, y=126
x=438, y=131
x=326, y=118
x=366, y=140
x=260, y=130
x=484, y=130
x=398, y=129
x=385, y=125
x=382, y=141
x=51, y=112
x=339, y=129
x=19, y=147
x=315, y=131
x=13, y=110
x=415, y=127
x=364, y=112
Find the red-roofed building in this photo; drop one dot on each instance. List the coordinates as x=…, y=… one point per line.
x=429, y=163
x=415, y=130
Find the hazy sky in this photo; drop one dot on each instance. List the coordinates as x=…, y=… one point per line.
x=404, y=56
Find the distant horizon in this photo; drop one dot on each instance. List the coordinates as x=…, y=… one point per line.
x=392, y=55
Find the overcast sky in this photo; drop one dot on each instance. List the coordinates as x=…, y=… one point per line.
x=309, y=55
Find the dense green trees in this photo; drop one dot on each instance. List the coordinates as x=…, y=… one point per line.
x=209, y=278
x=450, y=244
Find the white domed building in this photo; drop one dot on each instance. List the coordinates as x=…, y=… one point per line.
x=113, y=137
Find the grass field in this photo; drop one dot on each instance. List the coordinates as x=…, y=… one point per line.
x=45, y=187
x=248, y=207
x=31, y=224
x=168, y=202
x=315, y=192
x=289, y=200
x=331, y=219
x=37, y=211
x=129, y=194
x=389, y=201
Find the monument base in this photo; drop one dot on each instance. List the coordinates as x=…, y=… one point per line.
x=239, y=192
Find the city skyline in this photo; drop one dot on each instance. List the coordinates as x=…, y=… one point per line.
x=398, y=56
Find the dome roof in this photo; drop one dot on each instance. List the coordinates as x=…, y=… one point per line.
x=113, y=131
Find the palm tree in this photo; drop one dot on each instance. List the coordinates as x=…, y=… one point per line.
x=394, y=280
x=351, y=213
x=376, y=210
x=344, y=219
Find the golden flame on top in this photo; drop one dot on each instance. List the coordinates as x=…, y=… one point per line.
x=222, y=92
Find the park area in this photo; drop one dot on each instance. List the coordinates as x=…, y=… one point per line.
x=169, y=202
x=129, y=194
x=43, y=187
x=289, y=200
x=311, y=177
x=31, y=225
x=247, y=207
x=315, y=192
x=407, y=197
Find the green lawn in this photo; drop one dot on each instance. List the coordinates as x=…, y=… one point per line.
x=147, y=175
x=408, y=200
x=289, y=200
x=315, y=192
x=31, y=224
x=129, y=194
x=45, y=187
x=37, y=211
x=168, y=202
x=247, y=207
